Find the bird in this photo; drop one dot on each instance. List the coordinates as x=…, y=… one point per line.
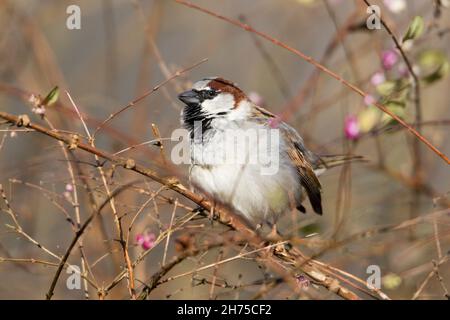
x=216, y=109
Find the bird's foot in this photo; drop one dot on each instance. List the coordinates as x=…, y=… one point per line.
x=274, y=236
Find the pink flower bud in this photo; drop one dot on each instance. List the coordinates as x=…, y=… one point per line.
x=351, y=127
x=395, y=6
x=388, y=59
x=146, y=240
x=369, y=100
x=377, y=78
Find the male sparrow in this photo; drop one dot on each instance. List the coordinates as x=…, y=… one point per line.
x=216, y=109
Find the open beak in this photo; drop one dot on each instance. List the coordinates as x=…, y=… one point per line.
x=190, y=97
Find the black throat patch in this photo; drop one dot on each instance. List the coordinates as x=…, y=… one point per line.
x=194, y=119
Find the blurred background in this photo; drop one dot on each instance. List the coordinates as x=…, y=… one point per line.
x=391, y=211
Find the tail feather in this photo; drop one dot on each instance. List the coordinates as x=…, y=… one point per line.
x=330, y=161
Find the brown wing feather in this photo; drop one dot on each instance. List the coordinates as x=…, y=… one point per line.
x=308, y=178
x=262, y=112
x=296, y=152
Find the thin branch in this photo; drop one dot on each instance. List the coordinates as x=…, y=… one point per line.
x=293, y=257
x=169, y=231
x=146, y=94
x=322, y=68
x=78, y=234
x=429, y=276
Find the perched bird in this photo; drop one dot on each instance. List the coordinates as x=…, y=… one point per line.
x=216, y=109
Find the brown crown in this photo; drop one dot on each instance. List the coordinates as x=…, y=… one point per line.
x=223, y=85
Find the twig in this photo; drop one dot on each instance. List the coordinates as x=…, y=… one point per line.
x=440, y=279
x=140, y=145
x=211, y=265
x=428, y=277
x=75, y=205
x=417, y=162
x=17, y=228
x=322, y=68
x=154, y=280
x=29, y=260
x=111, y=199
x=78, y=234
x=140, y=258
x=169, y=231
x=159, y=141
x=225, y=215
x=146, y=94
x=214, y=279
x=275, y=71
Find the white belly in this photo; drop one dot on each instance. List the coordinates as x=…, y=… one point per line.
x=257, y=197
x=258, y=189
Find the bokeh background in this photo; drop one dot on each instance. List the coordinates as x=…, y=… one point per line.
x=126, y=47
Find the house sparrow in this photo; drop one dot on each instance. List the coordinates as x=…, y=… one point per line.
x=216, y=108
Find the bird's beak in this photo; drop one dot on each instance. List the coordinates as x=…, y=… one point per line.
x=190, y=97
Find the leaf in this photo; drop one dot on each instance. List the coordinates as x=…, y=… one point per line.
x=430, y=58
x=310, y=228
x=398, y=87
x=438, y=74
x=368, y=119
x=415, y=29
x=396, y=107
x=434, y=64
x=387, y=88
x=395, y=104
x=51, y=97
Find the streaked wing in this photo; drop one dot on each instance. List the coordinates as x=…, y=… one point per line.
x=301, y=157
x=308, y=179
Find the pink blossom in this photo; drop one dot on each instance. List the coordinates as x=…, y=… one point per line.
x=388, y=59
x=395, y=6
x=378, y=78
x=69, y=187
x=38, y=110
x=351, y=128
x=369, y=100
x=13, y=134
x=146, y=240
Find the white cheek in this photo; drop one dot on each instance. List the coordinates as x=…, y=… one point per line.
x=221, y=103
x=241, y=112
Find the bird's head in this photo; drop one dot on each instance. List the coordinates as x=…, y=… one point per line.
x=213, y=98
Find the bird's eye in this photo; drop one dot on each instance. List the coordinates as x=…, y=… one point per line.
x=209, y=94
